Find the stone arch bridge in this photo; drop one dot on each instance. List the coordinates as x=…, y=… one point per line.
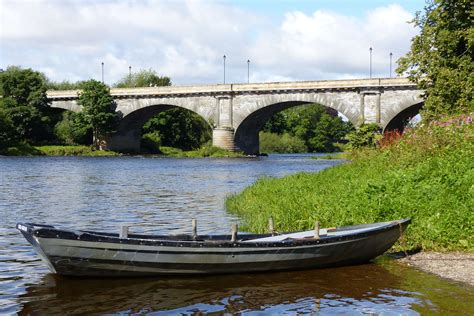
x=237, y=112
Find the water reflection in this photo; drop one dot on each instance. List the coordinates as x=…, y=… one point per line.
x=364, y=289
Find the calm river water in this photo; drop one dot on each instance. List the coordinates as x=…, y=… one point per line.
x=162, y=195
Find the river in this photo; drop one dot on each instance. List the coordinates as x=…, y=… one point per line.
x=163, y=195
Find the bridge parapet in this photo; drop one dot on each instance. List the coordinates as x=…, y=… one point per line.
x=244, y=88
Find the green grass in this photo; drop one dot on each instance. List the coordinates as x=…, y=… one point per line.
x=331, y=156
x=21, y=149
x=427, y=175
x=205, y=151
x=73, y=151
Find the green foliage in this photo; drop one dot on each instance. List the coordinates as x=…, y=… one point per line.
x=203, y=152
x=8, y=137
x=65, y=85
x=274, y=143
x=151, y=142
x=21, y=149
x=428, y=175
x=212, y=152
x=143, y=78
x=366, y=136
x=24, y=104
x=311, y=123
x=27, y=122
x=73, y=151
x=179, y=128
x=22, y=87
x=98, y=108
x=441, y=57
x=73, y=129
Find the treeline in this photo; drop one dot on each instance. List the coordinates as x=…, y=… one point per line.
x=307, y=128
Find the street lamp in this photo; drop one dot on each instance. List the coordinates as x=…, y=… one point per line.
x=370, y=65
x=102, y=72
x=248, y=70
x=391, y=64
x=130, y=75
x=224, y=68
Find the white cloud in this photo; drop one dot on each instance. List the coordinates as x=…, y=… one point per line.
x=185, y=40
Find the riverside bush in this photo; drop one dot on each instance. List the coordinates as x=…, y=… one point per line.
x=285, y=143
x=427, y=175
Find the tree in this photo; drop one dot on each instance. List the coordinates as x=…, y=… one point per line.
x=64, y=85
x=98, y=108
x=22, y=87
x=312, y=123
x=25, y=103
x=73, y=129
x=8, y=137
x=367, y=135
x=143, y=78
x=441, y=57
x=179, y=128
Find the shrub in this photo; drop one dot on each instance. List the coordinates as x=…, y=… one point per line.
x=367, y=135
x=151, y=142
x=274, y=143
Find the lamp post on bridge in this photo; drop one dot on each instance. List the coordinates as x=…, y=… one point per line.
x=370, y=63
x=102, y=72
x=224, y=68
x=248, y=70
x=391, y=64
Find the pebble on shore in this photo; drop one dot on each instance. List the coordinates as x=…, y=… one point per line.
x=457, y=266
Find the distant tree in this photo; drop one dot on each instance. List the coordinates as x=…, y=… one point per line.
x=64, y=85
x=281, y=143
x=441, y=57
x=143, y=78
x=25, y=104
x=98, y=108
x=312, y=123
x=8, y=137
x=179, y=128
x=73, y=129
x=22, y=87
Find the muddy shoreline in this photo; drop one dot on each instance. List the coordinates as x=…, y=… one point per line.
x=457, y=266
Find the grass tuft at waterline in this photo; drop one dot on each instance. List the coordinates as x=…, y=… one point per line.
x=427, y=174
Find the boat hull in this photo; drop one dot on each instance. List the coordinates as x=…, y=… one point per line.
x=82, y=254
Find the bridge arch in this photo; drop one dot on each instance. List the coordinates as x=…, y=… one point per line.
x=248, y=127
x=129, y=131
x=398, y=121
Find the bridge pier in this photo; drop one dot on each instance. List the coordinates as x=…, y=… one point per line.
x=223, y=137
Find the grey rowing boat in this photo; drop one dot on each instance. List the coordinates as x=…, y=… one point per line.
x=87, y=253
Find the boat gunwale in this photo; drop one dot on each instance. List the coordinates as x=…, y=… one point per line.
x=212, y=241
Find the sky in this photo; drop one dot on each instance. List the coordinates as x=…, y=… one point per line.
x=285, y=40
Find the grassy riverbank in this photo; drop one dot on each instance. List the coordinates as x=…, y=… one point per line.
x=427, y=175
x=87, y=151
x=203, y=152
x=24, y=149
